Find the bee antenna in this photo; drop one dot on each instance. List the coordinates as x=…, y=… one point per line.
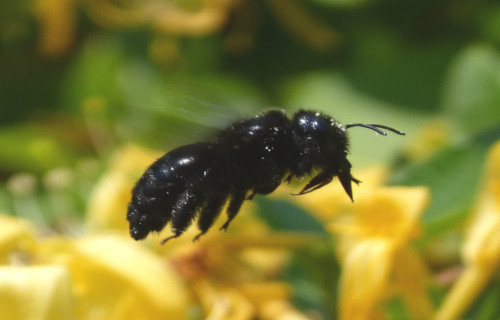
x=375, y=127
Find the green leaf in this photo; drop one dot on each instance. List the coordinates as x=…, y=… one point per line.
x=486, y=307
x=472, y=91
x=33, y=149
x=387, y=66
x=453, y=176
x=6, y=206
x=285, y=216
x=94, y=73
x=396, y=309
x=314, y=275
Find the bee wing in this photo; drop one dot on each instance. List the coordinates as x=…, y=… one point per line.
x=158, y=109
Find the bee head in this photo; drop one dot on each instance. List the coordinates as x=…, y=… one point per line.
x=322, y=137
x=324, y=144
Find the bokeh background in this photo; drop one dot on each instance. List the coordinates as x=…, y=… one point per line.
x=92, y=91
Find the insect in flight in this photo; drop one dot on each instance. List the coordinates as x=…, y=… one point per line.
x=249, y=157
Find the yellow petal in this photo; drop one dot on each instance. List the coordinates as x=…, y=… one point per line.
x=492, y=175
x=383, y=212
x=224, y=303
x=364, y=277
x=107, y=207
x=392, y=212
x=108, y=202
x=463, y=293
x=311, y=30
x=261, y=293
x=412, y=279
x=482, y=243
x=280, y=310
x=149, y=274
x=14, y=234
x=57, y=20
x=114, y=278
x=35, y=293
x=481, y=248
x=272, y=300
x=432, y=137
x=167, y=17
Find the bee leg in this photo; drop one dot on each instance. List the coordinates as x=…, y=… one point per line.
x=184, y=211
x=320, y=180
x=233, y=208
x=209, y=213
x=168, y=238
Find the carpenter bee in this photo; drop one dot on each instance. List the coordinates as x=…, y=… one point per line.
x=249, y=157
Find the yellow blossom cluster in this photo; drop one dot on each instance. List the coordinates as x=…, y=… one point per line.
x=107, y=275
x=372, y=237
x=373, y=242
x=481, y=247
x=104, y=274
x=171, y=19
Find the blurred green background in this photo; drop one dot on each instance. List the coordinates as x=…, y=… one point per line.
x=79, y=79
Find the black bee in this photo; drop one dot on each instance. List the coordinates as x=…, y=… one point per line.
x=249, y=157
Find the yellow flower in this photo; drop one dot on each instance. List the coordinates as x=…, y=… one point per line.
x=303, y=25
x=57, y=24
x=108, y=202
x=195, y=18
x=91, y=278
x=231, y=276
x=329, y=201
x=41, y=292
x=373, y=245
x=28, y=292
x=431, y=138
x=171, y=19
x=15, y=234
x=372, y=237
x=481, y=248
x=267, y=300
x=114, y=278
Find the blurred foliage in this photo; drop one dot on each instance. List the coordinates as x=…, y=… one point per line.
x=81, y=80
